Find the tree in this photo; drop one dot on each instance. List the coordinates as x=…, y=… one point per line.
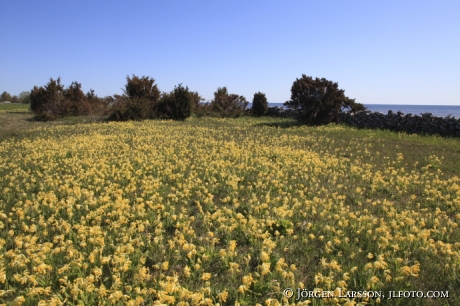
x=140, y=100
x=259, y=104
x=24, y=97
x=228, y=105
x=181, y=107
x=75, y=100
x=195, y=100
x=317, y=101
x=178, y=104
x=351, y=105
x=97, y=107
x=48, y=102
x=5, y=96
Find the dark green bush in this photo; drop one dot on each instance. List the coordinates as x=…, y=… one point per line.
x=48, y=102
x=53, y=101
x=24, y=97
x=15, y=99
x=5, y=96
x=318, y=101
x=98, y=108
x=259, y=104
x=75, y=101
x=228, y=105
x=178, y=104
x=126, y=108
x=140, y=100
x=203, y=110
x=181, y=105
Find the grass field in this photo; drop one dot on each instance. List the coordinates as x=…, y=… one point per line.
x=13, y=107
x=225, y=211
x=17, y=119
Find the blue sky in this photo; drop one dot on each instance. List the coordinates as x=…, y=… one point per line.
x=380, y=52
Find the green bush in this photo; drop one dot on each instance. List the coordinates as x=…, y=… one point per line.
x=48, y=102
x=139, y=101
x=24, y=97
x=98, y=107
x=259, y=104
x=228, y=105
x=178, y=104
x=75, y=101
x=203, y=110
x=5, y=96
x=318, y=101
x=53, y=101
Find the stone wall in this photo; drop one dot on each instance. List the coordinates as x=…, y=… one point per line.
x=280, y=112
x=425, y=123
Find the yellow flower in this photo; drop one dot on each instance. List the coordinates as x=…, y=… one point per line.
x=187, y=271
x=19, y=300
x=222, y=296
x=247, y=280
x=242, y=289
x=265, y=268
x=415, y=269
x=234, y=267
x=264, y=256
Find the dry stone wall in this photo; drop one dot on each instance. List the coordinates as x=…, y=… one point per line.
x=394, y=121
x=425, y=123
x=280, y=112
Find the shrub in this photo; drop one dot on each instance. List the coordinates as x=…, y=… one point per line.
x=126, y=108
x=203, y=110
x=228, y=105
x=5, y=96
x=48, y=102
x=351, y=105
x=140, y=100
x=318, y=101
x=195, y=101
x=14, y=99
x=75, y=101
x=259, y=104
x=24, y=97
x=178, y=104
x=53, y=101
x=98, y=107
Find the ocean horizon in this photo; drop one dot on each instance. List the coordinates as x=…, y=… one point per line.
x=436, y=110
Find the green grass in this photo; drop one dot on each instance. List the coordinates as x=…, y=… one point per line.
x=17, y=121
x=14, y=107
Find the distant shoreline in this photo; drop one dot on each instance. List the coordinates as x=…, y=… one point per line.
x=436, y=110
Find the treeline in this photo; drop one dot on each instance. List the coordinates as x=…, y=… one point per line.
x=315, y=101
x=24, y=97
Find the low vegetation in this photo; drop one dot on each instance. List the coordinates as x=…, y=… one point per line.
x=259, y=104
x=314, y=101
x=229, y=211
x=54, y=101
x=319, y=101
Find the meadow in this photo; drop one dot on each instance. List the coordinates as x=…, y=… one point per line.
x=13, y=107
x=225, y=212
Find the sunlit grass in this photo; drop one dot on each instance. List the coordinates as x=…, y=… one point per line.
x=225, y=211
x=14, y=107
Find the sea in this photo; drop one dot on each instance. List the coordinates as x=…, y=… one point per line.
x=436, y=110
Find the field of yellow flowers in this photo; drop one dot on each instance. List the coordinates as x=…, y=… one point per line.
x=222, y=211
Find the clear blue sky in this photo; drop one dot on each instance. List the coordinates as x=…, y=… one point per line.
x=380, y=52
